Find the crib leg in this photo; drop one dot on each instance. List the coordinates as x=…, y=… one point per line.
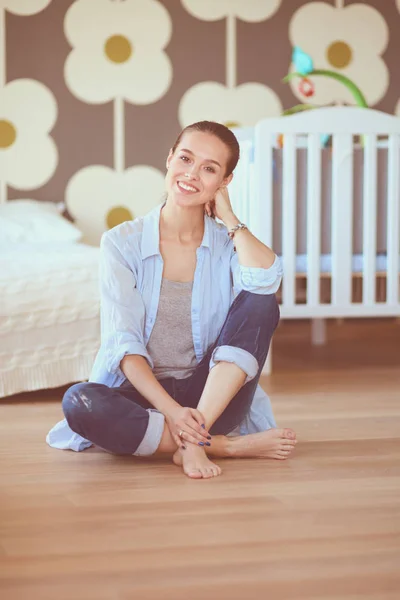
x=318, y=332
x=267, y=368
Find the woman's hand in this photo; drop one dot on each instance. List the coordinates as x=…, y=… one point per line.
x=220, y=206
x=187, y=425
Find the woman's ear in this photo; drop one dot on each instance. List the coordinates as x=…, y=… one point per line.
x=170, y=155
x=227, y=180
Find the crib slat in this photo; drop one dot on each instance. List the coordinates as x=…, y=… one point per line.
x=342, y=218
x=239, y=186
x=247, y=199
x=289, y=219
x=369, y=219
x=245, y=149
x=393, y=219
x=261, y=202
x=251, y=192
x=313, y=219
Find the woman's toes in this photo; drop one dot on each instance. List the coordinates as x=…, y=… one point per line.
x=195, y=474
x=289, y=434
x=284, y=453
x=288, y=447
x=206, y=472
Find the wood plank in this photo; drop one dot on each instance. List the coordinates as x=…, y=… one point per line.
x=324, y=524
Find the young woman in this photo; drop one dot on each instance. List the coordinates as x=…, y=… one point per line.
x=188, y=311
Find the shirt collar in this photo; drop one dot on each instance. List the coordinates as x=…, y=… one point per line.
x=150, y=244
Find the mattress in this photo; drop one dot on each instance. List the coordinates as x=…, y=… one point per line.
x=357, y=264
x=49, y=315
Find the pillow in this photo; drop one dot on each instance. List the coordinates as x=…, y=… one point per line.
x=35, y=221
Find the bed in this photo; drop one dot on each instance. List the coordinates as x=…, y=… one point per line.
x=49, y=301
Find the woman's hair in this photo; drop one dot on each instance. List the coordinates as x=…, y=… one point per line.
x=221, y=132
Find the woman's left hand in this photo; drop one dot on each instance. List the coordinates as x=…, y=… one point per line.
x=221, y=206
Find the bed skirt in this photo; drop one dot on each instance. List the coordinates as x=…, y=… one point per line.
x=46, y=375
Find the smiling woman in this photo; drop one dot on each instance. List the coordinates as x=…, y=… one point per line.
x=200, y=162
x=188, y=311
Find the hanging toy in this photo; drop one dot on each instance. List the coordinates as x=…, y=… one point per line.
x=304, y=66
x=302, y=61
x=306, y=87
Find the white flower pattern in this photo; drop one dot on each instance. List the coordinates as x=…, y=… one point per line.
x=335, y=40
x=28, y=155
x=24, y=7
x=99, y=198
x=213, y=10
x=122, y=55
x=241, y=106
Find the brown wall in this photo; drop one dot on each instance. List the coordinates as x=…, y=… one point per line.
x=36, y=48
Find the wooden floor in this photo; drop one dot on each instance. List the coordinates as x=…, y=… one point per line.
x=323, y=525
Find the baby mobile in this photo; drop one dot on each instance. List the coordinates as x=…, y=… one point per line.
x=304, y=68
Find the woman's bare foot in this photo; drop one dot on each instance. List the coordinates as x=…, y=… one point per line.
x=274, y=443
x=195, y=463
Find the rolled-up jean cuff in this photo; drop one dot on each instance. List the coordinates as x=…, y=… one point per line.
x=152, y=437
x=232, y=354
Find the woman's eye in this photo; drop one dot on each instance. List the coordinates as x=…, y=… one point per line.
x=210, y=169
x=184, y=158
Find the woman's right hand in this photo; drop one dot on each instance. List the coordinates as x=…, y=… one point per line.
x=187, y=425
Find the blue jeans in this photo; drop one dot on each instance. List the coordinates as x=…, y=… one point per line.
x=119, y=419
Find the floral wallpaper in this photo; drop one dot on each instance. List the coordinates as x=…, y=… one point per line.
x=94, y=92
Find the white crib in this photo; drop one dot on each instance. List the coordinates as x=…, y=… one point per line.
x=332, y=213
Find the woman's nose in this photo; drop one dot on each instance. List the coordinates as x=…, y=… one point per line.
x=192, y=173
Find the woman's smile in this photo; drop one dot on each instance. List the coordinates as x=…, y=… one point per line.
x=186, y=188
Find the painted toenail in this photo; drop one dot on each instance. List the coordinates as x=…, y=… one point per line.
x=203, y=426
x=209, y=437
x=201, y=443
x=208, y=444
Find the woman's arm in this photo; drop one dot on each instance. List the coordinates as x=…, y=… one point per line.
x=122, y=310
x=251, y=252
x=137, y=370
x=179, y=418
x=254, y=267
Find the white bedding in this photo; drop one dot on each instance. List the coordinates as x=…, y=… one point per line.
x=49, y=315
x=357, y=264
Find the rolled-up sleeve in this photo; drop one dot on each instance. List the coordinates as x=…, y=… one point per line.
x=238, y=356
x=256, y=279
x=122, y=308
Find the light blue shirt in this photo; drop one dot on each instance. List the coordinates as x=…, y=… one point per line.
x=131, y=268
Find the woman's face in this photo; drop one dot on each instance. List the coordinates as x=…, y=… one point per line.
x=196, y=169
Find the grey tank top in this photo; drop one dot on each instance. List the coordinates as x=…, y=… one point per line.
x=171, y=341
